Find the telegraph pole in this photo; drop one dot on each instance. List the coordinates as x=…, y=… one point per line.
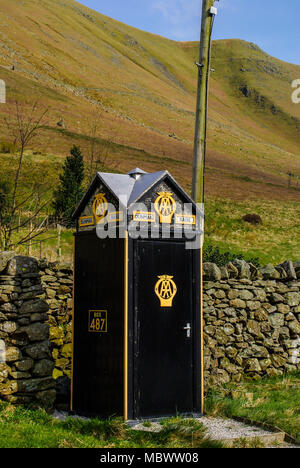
x=208, y=14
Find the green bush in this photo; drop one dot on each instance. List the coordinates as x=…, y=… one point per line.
x=214, y=255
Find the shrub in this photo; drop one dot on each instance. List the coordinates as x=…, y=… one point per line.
x=214, y=255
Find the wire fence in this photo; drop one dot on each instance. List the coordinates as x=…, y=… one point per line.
x=43, y=247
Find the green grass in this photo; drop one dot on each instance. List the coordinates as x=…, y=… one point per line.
x=276, y=401
x=275, y=241
x=28, y=428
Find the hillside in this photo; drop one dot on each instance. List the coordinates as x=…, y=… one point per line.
x=73, y=59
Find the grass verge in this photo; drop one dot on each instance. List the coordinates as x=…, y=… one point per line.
x=276, y=240
x=275, y=401
x=25, y=428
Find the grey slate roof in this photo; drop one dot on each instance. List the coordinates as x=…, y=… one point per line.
x=127, y=188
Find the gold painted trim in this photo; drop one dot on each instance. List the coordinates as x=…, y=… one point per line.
x=166, y=290
x=106, y=319
x=86, y=224
x=183, y=221
x=72, y=365
x=126, y=326
x=100, y=201
x=152, y=213
x=201, y=330
x=165, y=206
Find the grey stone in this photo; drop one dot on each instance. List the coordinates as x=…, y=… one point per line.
x=211, y=272
x=13, y=354
x=293, y=298
x=38, y=350
x=275, y=298
x=237, y=303
x=20, y=265
x=46, y=398
x=35, y=385
x=228, y=329
x=253, y=327
x=24, y=365
x=34, y=306
x=276, y=320
x=8, y=327
x=294, y=327
x=224, y=272
x=8, y=308
x=269, y=272
x=289, y=269
x=252, y=365
x=232, y=270
x=5, y=257
x=243, y=268
x=36, y=331
x=43, y=368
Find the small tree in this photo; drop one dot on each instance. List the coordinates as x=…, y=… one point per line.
x=5, y=191
x=70, y=191
x=23, y=123
x=98, y=148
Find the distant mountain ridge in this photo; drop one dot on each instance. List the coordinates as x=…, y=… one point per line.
x=74, y=60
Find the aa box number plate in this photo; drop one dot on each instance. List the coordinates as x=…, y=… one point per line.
x=98, y=321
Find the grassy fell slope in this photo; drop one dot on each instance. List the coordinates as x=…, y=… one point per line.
x=73, y=59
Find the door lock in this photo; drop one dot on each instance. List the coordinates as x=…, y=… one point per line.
x=188, y=330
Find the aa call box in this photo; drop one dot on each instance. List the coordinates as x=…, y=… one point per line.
x=137, y=325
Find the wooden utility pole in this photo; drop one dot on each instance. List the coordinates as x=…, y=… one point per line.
x=208, y=14
x=59, y=242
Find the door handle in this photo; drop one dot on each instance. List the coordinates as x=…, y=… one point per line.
x=188, y=330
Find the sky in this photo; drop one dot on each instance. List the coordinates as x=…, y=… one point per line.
x=274, y=25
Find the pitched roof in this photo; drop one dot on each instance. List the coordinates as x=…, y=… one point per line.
x=127, y=188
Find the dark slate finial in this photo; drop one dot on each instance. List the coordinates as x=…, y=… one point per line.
x=136, y=173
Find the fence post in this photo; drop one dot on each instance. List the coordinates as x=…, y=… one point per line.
x=30, y=241
x=59, y=242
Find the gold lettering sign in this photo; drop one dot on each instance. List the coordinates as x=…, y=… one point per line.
x=147, y=216
x=100, y=207
x=86, y=221
x=165, y=206
x=165, y=289
x=98, y=321
x=185, y=219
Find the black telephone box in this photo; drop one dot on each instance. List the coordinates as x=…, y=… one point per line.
x=137, y=321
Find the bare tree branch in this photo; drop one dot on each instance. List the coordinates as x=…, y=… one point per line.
x=23, y=126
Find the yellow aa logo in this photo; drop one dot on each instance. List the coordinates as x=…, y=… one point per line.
x=165, y=289
x=165, y=206
x=100, y=206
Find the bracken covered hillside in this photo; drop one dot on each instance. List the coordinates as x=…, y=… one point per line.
x=74, y=60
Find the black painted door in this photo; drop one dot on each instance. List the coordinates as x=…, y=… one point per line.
x=98, y=326
x=163, y=361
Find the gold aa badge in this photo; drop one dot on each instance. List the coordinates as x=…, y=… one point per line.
x=165, y=206
x=100, y=206
x=165, y=289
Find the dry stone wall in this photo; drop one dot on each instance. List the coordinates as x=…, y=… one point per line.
x=26, y=363
x=251, y=321
x=251, y=325
x=57, y=282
